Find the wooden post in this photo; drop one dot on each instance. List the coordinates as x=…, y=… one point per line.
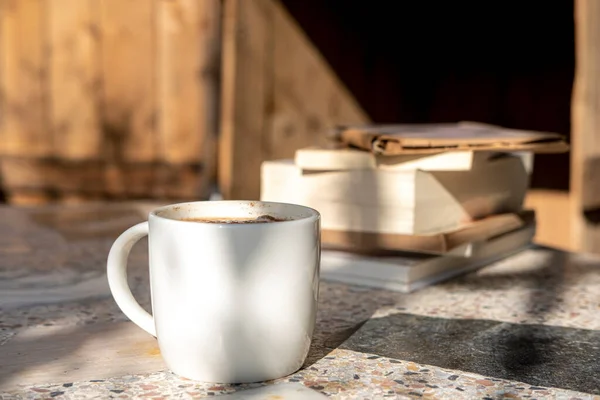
x=585, y=136
x=278, y=93
x=246, y=84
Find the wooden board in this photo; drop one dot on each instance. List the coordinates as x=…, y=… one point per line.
x=308, y=98
x=23, y=78
x=74, y=92
x=552, y=218
x=129, y=115
x=585, y=153
x=188, y=54
x=188, y=64
x=278, y=93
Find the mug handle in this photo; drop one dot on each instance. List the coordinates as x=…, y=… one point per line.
x=116, y=271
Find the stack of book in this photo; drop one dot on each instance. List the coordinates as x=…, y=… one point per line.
x=405, y=214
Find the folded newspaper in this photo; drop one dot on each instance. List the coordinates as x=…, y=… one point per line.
x=393, y=140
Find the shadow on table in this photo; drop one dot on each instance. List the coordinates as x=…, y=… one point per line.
x=540, y=355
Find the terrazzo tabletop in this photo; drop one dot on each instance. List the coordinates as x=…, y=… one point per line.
x=526, y=327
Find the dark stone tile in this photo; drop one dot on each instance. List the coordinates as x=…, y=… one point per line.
x=535, y=354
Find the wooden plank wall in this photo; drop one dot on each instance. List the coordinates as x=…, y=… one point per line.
x=585, y=135
x=278, y=93
x=108, y=98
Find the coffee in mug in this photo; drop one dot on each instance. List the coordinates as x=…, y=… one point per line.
x=261, y=219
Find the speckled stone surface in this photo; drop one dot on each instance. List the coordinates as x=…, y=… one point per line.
x=51, y=274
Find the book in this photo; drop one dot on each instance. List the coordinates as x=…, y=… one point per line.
x=411, y=202
x=433, y=138
x=336, y=159
x=409, y=271
x=381, y=244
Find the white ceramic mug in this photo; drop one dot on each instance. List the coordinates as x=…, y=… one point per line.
x=231, y=303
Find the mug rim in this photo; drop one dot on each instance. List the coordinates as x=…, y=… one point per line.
x=314, y=214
